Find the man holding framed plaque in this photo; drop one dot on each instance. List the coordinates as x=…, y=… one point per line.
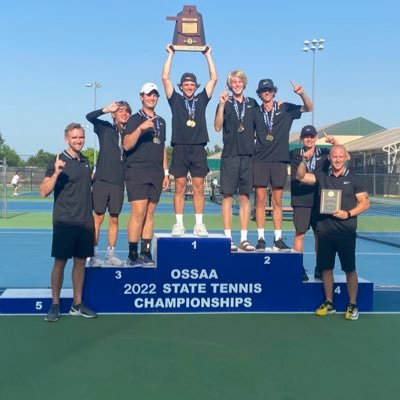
x=336, y=229
x=189, y=137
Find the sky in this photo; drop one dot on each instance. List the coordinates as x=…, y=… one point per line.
x=51, y=49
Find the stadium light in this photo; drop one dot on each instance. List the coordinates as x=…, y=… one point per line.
x=95, y=85
x=313, y=45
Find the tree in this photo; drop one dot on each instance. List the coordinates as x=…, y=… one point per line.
x=13, y=159
x=40, y=159
x=89, y=154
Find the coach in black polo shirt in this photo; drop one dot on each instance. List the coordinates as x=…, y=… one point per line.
x=271, y=156
x=189, y=137
x=337, y=232
x=235, y=114
x=304, y=198
x=108, y=186
x=70, y=176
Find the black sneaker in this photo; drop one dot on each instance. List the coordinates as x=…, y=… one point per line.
x=82, y=310
x=260, y=246
x=134, y=262
x=305, y=276
x=280, y=245
x=146, y=260
x=54, y=313
x=317, y=273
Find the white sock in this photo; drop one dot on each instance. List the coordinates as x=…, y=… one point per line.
x=278, y=234
x=96, y=251
x=110, y=250
x=199, y=219
x=260, y=233
x=179, y=219
x=228, y=233
x=243, y=235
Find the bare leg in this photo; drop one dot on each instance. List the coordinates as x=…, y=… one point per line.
x=227, y=211
x=78, y=277
x=112, y=230
x=327, y=279
x=179, y=195
x=244, y=211
x=135, y=223
x=261, y=197
x=98, y=220
x=57, y=279
x=277, y=194
x=298, y=243
x=198, y=195
x=148, y=225
x=352, y=286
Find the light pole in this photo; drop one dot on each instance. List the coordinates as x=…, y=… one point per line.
x=95, y=85
x=313, y=45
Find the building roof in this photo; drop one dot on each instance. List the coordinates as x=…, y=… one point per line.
x=376, y=141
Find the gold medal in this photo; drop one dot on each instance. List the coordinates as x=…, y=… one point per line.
x=189, y=122
x=241, y=128
x=269, y=137
x=193, y=124
x=156, y=140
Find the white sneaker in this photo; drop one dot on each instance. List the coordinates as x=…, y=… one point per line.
x=178, y=230
x=112, y=259
x=95, y=261
x=200, y=230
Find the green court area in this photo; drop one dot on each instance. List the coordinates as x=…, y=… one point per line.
x=237, y=356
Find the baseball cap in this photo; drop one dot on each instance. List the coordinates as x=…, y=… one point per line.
x=265, y=84
x=149, y=87
x=308, y=130
x=189, y=77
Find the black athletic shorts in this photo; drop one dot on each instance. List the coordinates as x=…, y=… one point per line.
x=274, y=174
x=107, y=195
x=142, y=184
x=304, y=218
x=236, y=174
x=72, y=241
x=189, y=158
x=331, y=244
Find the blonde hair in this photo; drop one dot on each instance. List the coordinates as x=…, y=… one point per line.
x=238, y=73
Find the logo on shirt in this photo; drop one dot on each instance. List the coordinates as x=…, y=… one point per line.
x=346, y=182
x=280, y=112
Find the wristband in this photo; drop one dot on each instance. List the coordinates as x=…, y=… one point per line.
x=166, y=172
x=348, y=214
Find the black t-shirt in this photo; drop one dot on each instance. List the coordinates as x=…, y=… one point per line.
x=181, y=132
x=350, y=185
x=238, y=143
x=72, y=191
x=146, y=153
x=110, y=165
x=277, y=149
x=303, y=195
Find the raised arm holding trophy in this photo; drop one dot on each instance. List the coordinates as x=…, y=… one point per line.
x=189, y=128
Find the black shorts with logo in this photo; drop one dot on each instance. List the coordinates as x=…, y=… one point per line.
x=72, y=241
x=270, y=173
x=189, y=158
x=236, y=174
x=107, y=195
x=331, y=244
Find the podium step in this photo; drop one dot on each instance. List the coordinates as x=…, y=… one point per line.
x=195, y=275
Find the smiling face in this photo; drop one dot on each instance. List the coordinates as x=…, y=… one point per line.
x=76, y=140
x=237, y=86
x=150, y=100
x=267, y=95
x=338, y=157
x=309, y=141
x=121, y=116
x=188, y=89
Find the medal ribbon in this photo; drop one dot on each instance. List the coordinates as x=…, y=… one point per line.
x=236, y=107
x=269, y=123
x=312, y=162
x=157, y=129
x=121, y=148
x=191, y=108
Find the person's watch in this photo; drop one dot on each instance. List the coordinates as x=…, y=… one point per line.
x=348, y=214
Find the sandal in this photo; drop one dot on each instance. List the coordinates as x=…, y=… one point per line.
x=233, y=246
x=245, y=245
